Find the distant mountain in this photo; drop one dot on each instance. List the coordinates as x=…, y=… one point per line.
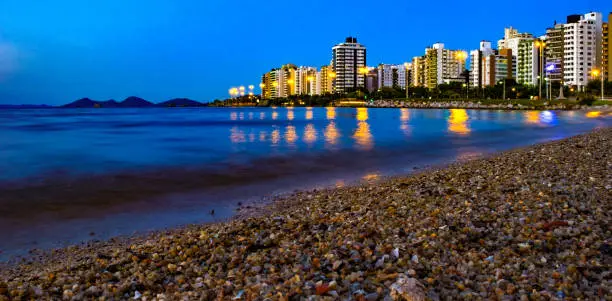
x=180, y=102
x=25, y=106
x=81, y=103
x=135, y=102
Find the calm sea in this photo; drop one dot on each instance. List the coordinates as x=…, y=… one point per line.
x=67, y=175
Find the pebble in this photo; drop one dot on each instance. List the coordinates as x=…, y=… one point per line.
x=527, y=223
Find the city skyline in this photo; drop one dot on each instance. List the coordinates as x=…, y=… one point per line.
x=162, y=51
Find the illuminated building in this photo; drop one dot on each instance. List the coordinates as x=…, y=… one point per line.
x=347, y=59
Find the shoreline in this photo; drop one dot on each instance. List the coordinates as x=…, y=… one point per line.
x=368, y=240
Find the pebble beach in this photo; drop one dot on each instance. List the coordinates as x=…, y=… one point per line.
x=528, y=224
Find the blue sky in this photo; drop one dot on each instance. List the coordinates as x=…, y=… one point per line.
x=57, y=51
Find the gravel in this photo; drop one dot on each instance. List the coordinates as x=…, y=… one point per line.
x=529, y=224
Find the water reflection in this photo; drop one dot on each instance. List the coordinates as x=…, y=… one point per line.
x=241, y=116
x=262, y=116
x=290, y=135
x=275, y=137
x=274, y=115
x=547, y=117
x=262, y=136
x=532, y=117
x=310, y=134
x=404, y=118
x=331, y=133
x=237, y=135
x=371, y=177
x=363, y=135
x=593, y=114
x=309, y=113
x=330, y=113
x=290, y=114
x=457, y=122
x=541, y=118
x=233, y=116
x=250, y=115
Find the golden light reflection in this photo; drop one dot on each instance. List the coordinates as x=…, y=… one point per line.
x=363, y=136
x=371, y=177
x=310, y=134
x=236, y=135
x=262, y=136
x=309, y=114
x=331, y=133
x=593, y=114
x=457, y=122
x=233, y=116
x=404, y=118
x=330, y=113
x=290, y=114
x=362, y=114
x=274, y=115
x=275, y=137
x=532, y=117
x=290, y=135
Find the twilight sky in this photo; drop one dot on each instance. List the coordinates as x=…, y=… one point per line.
x=54, y=52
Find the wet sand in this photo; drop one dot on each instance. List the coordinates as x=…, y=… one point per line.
x=532, y=223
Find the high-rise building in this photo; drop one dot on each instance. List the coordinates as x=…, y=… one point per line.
x=279, y=82
x=393, y=76
x=605, y=49
x=372, y=80
x=305, y=81
x=512, y=39
x=326, y=79
x=348, y=60
x=497, y=67
x=583, y=48
x=418, y=71
x=442, y=65
x=554, y=53
x=527, y=62
x=476, y=63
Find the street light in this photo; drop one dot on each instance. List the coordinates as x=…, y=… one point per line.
x=540, y=44
x=462, y=56
x=596, y=72
x=504, y=92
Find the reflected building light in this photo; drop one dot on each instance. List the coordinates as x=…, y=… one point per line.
x=274, y=115
x=275, y=137
x=362, y=114
x=532, y=117
x=252, y=137
x=330, y=113
x=290, y=135
x=331, y=133
x=404, y=118
x=310, y=134
x=241, y=116
x=236, y=135
x=262, y=136
x=290, y=114
x=309, y=113
x=457, y=122
x=262, y=115
x=593, y=114
x=233, y=116
x=363, y=136
x=371, y=177
x=547, y=117
x=251, y=116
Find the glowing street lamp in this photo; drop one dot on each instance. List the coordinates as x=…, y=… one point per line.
x=596, y=72
x=540, y=44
